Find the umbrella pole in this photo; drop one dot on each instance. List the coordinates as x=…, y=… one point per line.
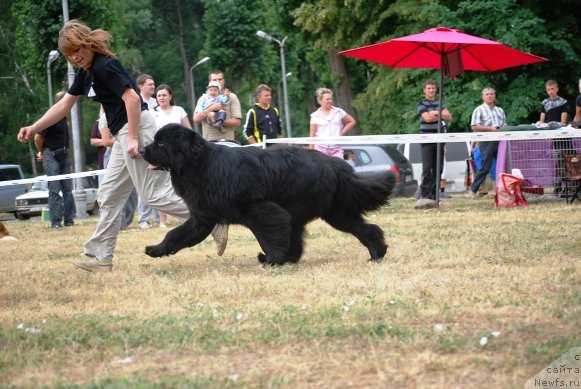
x=438, y=152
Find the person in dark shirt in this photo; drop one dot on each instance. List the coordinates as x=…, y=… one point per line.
x=428, y=111
x=262, y=119
x=53, y=145
x=102, y=78
x=555, y=109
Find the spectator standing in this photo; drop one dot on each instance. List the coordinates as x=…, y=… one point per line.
x=554, y=109
x=487, y=117
x=146, y=86
x=167, y=112
x=429, y=110
x=262, y=119
x=52, y=144
x=102, y=78
x=329, y=121
x=233, y=113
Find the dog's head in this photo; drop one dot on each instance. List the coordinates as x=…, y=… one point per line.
x=174, y=148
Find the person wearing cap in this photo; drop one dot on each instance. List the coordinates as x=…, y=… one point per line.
x=213, y=96
x=233, y=113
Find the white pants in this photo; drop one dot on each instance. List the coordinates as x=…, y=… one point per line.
x=123, y=172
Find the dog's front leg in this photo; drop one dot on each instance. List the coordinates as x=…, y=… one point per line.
x=188, y=234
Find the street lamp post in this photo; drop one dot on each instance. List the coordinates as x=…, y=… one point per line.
x=200, y=62
x=268, y=37
x=52, y=56
x=79, y=193
x=278, y=91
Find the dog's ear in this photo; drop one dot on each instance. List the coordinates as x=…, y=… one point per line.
x=197, y=147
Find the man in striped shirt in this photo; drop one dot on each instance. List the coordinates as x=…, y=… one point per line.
x=429, y=113
x=486, y=118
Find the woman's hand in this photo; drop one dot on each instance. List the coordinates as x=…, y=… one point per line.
x=26, y=133
x=133, y=148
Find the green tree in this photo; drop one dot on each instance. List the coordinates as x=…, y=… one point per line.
x=32, y=32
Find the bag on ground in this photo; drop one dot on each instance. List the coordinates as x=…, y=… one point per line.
x=508, y=191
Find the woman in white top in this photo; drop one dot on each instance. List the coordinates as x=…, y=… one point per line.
x=166, y=112
x=329, y=121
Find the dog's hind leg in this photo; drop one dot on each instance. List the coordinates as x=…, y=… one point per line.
x=370, y=235
x=189, y=234
x=296, y=242
x=271, y=226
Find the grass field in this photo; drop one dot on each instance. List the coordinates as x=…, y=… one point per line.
x=452, y=277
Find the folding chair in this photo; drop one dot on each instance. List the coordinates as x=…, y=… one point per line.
x=573, y=177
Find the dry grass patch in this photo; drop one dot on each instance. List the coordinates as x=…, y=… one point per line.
x=452, y=276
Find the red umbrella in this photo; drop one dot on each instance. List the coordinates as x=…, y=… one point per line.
x=443, y=48
x=449, y=50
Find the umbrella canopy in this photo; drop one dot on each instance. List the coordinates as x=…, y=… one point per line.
x=441, y=47
x=449, y=50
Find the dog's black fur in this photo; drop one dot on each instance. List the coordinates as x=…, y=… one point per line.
x=274, y=192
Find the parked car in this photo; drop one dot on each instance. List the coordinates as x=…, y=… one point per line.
x=369, y=159
x=9, y=193
x=455, y=168
x=36, y=199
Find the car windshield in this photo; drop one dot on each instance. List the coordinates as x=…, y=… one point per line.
x=39, y=185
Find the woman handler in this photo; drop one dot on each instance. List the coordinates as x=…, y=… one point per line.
x=102, y=78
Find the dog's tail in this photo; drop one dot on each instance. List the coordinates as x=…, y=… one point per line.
x=363, y=194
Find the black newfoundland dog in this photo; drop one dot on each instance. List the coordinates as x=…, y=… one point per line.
x=274, y=192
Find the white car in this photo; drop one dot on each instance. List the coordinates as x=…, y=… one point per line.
x=455, y=168
x=35, y=200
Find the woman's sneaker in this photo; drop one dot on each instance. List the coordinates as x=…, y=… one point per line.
x=93, y=264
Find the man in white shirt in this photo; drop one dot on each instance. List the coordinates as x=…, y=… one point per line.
x=487, y=117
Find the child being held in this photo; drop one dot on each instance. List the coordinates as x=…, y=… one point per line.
x=212, y=96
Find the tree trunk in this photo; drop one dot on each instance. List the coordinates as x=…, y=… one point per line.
x=343, y=94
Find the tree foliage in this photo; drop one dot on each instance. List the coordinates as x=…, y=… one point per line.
x=165, y=38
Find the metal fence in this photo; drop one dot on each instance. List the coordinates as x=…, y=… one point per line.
x=546, y=164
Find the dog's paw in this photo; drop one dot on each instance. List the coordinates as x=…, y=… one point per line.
x=376, y=260
x=262, y=258
x=154, y=251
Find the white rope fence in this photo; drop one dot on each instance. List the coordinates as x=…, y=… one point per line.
x=561, y=133
x=53, y=178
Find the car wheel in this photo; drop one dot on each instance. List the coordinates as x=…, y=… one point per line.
x=22, y=217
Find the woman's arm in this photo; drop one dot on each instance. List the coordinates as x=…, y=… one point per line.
x=350, y=122
x=51, y=116
x=133, y=107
